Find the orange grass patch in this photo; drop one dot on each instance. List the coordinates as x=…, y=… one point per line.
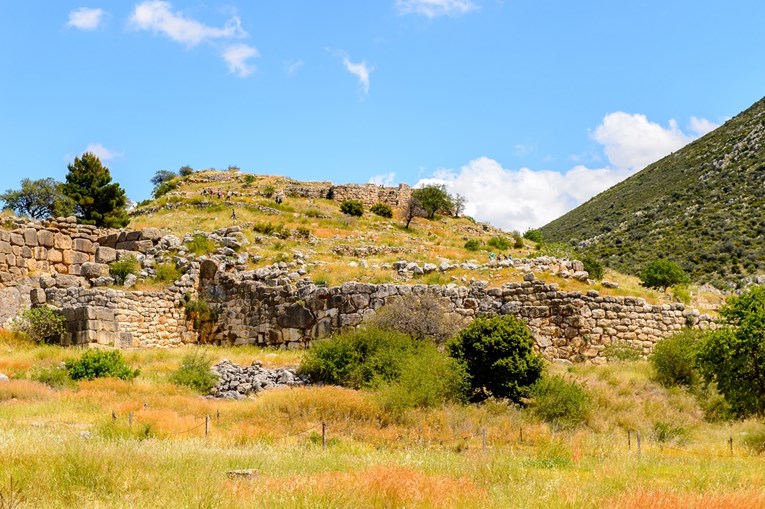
x=648, y=499
x=25, y=390
x=378, y=486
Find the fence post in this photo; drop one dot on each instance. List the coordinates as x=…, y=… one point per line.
x=207, y=426
x=217, y=415
x=323, y=435
x=114, y=415
x=638, y=444
x=521, y=433
x=629, y=440
x=730, y=443
x=483, y=439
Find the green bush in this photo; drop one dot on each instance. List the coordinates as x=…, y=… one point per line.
x=382, y=210
x=498, y=355
x=562, y=403
x=594, y=267
x=533, y=235
x=667, y=432
x=362, y=358
x=99, y=364
x=661, y=274
x=121, y=269
x=199, y=312
x=473, y=245
x=302, y=232
x=41, y=324
x=167, y=272
x=164, y=188
x=195, y=372
x=500, y=243
x=674, y=359
x=269, y=191
x=185, y=171
x=352, y=208
x=428, y=378
x=557, y=250
x=518, y=241
x=420, y=317
x=201, y=245
x=682, y=293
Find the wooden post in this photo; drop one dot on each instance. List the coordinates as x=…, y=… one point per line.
x=629, y=440
x=217, y=415
x=483, y=439
x=323, y=435
x=207, y=426
x=730, y=443
x=114, y=415
x=638, y=444
x=521, y=433
x=130, y=419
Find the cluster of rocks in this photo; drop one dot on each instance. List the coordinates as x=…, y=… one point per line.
x=368, y=250
x=237, y=382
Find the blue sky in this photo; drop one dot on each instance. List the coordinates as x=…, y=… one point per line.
x=527, y=108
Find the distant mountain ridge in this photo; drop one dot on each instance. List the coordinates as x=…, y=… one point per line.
x=701, y=206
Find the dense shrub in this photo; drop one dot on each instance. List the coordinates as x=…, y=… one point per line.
x=121, y=269
x=533, y=235
x=733, y=356
x=352, y=208
x=302, y=232
x=428, y=378
x=195, y=372
x=661, y=274
x=362, y=358
x=432, y=199
x=199, y=311
x=164, y=188
x=167, y=272
x=185, y=171
x=558, y=250
x=498, y=355
x=674, y=359
x=41, y=324
x=473, y=245
x=500, y=243
x=594, y=267
x=54, y=376
x=201, y=245
x=382, y=210
x=269, y=191
x=562, y=403
x=518, y=241
x=100, y=363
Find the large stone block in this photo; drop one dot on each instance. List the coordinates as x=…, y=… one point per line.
x=5, y=247
x=63, y=241
x=84, y=245
x=46, y=238
x=105, y=254
x=30, y=237
x=92, y=270
x=72, y=257
x=17, y=239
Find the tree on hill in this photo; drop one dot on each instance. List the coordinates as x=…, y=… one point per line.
x=38, y=199
x=661, y=274
x=97, y=201
x=734, y=356
x=412, y=209
x=162, y=176
x=185, y=171
x=432, y=199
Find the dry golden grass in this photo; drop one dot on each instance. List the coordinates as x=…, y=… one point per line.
x=651, y=499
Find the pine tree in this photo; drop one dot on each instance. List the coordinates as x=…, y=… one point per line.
x=97, y=200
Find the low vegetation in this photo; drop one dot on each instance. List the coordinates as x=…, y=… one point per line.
x=42, y=324
x=124, y=267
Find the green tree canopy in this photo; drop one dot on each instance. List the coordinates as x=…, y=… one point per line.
x=97, y=200
x=38, y=199
x=498, y=355
x=662, y=273
x=432, y=199
x=734, y=356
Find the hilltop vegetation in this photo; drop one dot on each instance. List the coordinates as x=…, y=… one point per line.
x=702, y=207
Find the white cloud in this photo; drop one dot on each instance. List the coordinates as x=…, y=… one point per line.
x=158, y=17
x=103, y=153
x=237, y=57
x=361, y=71
x=293, y=66
x=84, y=18
x=701, y=126
x=631, y=141
x=386, y=179
x=434, y=8
x=523, y=198
x=524, y=150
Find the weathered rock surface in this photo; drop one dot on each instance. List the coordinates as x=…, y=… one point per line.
x=237, y=382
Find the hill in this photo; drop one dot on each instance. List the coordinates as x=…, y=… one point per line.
x=701, y=206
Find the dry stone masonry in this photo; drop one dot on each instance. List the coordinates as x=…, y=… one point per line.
x=66, y=265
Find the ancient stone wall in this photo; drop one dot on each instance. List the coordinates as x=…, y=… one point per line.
x=369, y=194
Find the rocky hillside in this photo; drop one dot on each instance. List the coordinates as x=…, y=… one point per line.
x=702, y=206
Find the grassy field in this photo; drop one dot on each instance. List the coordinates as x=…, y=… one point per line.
x=63, y=447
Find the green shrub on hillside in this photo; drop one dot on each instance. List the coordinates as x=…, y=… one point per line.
x=674, y=359
x=500, y=243
x=124, y=267
x=41, y=324
x=201, y=245
x=533, y=235
x=661, y=274
x=498, y=355
x=473, y=245
x=562, y=403
x=99, y=364
x=363, y=358
x=422, y=318
x=382, y=210
x=195, y=372
x=594, y=267
x=53, y=376
x=352, y=208
x=167, y=272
